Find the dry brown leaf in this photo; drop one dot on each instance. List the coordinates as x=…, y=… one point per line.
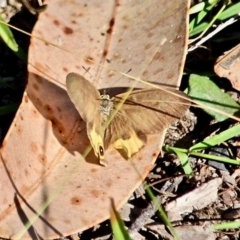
x=228, y=66
x=42, y=170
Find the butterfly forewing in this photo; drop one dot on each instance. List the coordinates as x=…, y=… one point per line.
x=84, y=96
x=86, y=99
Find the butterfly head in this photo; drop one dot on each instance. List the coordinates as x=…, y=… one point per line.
x=96, y=139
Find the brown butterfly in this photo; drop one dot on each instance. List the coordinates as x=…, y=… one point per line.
x=124, y=120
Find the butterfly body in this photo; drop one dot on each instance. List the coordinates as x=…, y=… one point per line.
x=124, y=120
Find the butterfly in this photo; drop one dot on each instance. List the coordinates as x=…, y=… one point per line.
x=124, y=120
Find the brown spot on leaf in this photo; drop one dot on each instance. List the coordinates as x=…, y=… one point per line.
x=48, y=108
x=35, y=113
x=67, y=221
x=89, y=60
x=19, y=163
x=19, y=130
x=170, y=76
x=125, y=26
x=65, y=69
x=38, y=78
x=85, y=222
x=145, y=72
x=150, y=34
x=111, y=74
x=23, y=189
x=33, y=147
x=111, y=24
x=148, y=46
x=58, y=126
x=154, y=154
x=42, y=158
x=67, y=30
x=159, y=57
x=105, y=53
x=76, y=200
x=126, y=18
x=26, y=172
x=51, y=219
x=95, y=193
x=157, y=71
x=26, y=99
x=109, y=183
x=60, y=130
x=116, y=56
x=179, y=65
x=35, y=86
x=56, y=22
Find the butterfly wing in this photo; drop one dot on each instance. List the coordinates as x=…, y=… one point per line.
x=143, y=112
x=86, y=99
x=84, y=96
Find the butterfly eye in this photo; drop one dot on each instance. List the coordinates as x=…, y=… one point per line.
x=101, y=151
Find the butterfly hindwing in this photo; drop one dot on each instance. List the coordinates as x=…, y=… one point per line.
x=143, y=112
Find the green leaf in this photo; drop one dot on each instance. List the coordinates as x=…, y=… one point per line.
x=204, y=91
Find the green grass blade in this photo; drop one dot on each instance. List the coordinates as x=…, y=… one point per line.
x=8, y=38
x=225, y=226
x=217, y=139
x=207, y=7
x=202, y=5
x=117, y=224
x=230, y=12
x=198, y=29
x=161, y=211
x=183, y=157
